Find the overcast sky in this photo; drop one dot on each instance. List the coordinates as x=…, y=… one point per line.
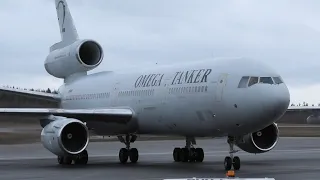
x=283, y=34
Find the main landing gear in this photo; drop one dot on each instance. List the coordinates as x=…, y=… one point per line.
x=80, y=159
x=127, y=152
x=188, y=153
x=231, y=160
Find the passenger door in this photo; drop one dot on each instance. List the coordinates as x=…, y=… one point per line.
x=221, y=83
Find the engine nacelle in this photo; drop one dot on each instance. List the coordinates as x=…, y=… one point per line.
x=313, y=119
x=261, y=141
x=65, y=136
x=81, y=56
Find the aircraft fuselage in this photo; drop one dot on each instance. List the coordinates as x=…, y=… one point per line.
x=193, y=99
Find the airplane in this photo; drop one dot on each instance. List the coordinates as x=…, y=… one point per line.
x=237, y=98
x=302, y=114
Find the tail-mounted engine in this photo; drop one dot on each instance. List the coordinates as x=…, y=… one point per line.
x=80, y=56
x=65, y=136
x=261, y=141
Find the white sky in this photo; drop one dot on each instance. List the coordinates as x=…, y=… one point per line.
x=283, y=34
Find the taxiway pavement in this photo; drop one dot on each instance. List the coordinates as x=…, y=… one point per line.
x=292, y=158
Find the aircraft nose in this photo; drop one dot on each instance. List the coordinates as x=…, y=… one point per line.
x=277, y=102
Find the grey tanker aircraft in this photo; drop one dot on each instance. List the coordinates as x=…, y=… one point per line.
x=237, y=98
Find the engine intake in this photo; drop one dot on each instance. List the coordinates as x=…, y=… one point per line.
x=73, y=137
x=89, y=53
x=261, y=141
x=65, y=136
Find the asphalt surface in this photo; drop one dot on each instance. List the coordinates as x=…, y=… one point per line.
x=292, y=158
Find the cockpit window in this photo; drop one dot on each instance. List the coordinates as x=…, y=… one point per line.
x=253, y=80
x=243, y=82
x=277, y=80
x=266, y=80
x=247, y=81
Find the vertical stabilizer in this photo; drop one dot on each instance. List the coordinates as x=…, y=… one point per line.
x=68, y=31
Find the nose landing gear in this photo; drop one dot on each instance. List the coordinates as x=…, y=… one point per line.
x=231, y=160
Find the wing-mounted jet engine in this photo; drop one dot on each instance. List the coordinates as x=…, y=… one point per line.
x=80, y=56
x=261, y=141
x=66, y=138
x=313, y=119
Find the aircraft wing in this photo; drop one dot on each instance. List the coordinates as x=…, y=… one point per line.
x=10, y=97
x=118, y=115
x=299, y=114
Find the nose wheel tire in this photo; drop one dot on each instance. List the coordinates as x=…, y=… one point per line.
x=228, y=163
x=236, y=163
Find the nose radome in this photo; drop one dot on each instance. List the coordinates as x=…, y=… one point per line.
x=280, y=101
x=284, y=97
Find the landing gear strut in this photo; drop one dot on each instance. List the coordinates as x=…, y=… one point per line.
x=188, y=153
x=80, y=159
x=231, y=160
x=127, y=152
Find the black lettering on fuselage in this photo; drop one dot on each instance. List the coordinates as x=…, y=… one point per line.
x=196, y=80
x=148, y=83
x=154, y=80
x=145, y=79
x=191, y=76
x=175, y=77
x=205, y=76
x=149, y=80
x=138, y=81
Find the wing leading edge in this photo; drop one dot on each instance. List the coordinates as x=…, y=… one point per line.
x=118, y=115
x=12, y=97
x=299, y=114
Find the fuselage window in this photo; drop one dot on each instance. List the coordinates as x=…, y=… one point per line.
x=243, y=82
x=266, y=80
x=253, y=80
x=277, y=80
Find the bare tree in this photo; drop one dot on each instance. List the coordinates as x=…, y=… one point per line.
x=48, y=90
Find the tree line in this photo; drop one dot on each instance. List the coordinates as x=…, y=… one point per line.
x=304, y=104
